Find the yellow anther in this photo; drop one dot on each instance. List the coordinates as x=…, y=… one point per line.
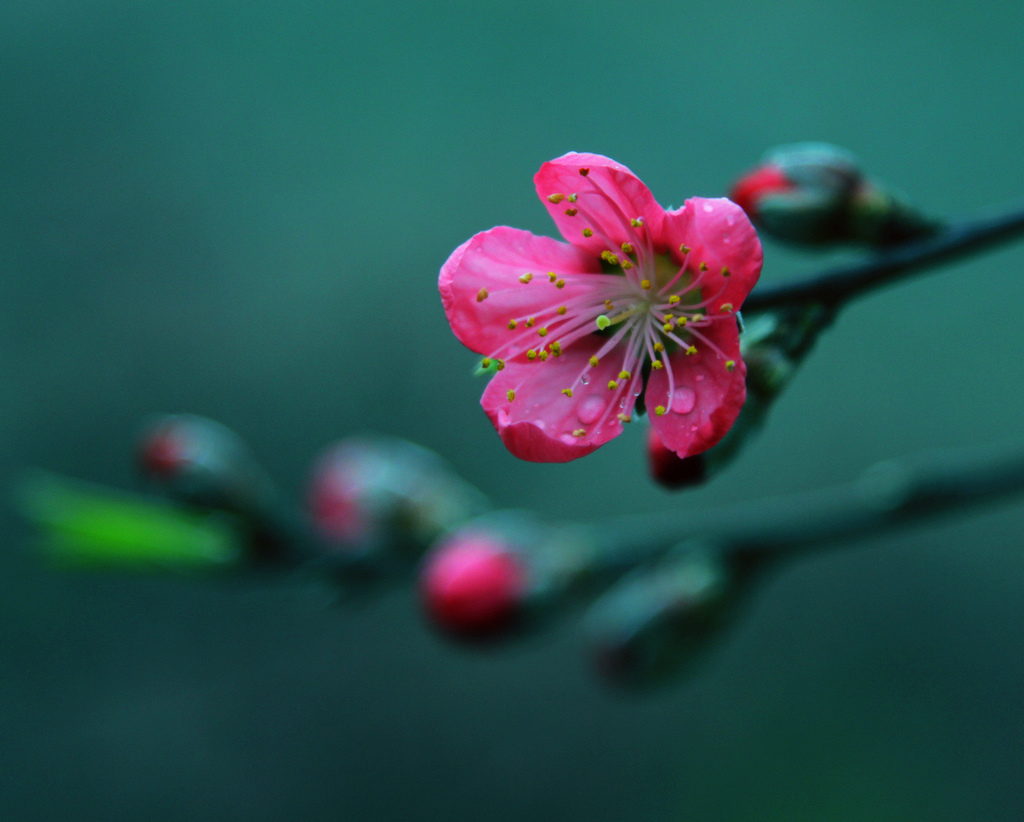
x=730, y=365
x=624, y=375
x=572, y=198
x=703, y=266
x=625, y=418
x=529, y=322
x=627, y=248
x=510, y=394
x=667, y=327
x=567, y=392
x=668, y=318
x=555, y=198
x=627, y=264
x=542, y=331
x=682, y=321
x=657, y=365
x=571, y=212
x=685, y=249
x=726, y=307
x=485, y=362
x=512, y=325
x=645, y=283
x=659, y=347
x=561, y=310
x=636, y=222
x=481, y=295
x=588, y=233
x=501, y=364
x=579, y=432
x=659, y=410
x=593, y=362
x=609, y=304
x=608, y=257
x=543, y=355
x=602, y=322
x=560, y=284
x=531, y=354
x=696, y=318
x=691, y=350
x=556, y=348
x=584, y=172
x=525, y=278
x=725, y=271
x=552, y=276
x=612, y=385
x=673, y=300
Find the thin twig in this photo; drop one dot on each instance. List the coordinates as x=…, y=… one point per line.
x=840, y=284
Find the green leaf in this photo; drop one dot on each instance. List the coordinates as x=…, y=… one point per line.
x=82, y=524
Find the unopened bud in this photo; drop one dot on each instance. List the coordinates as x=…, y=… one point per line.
x=202, y=463
x=817, y=194
x=373, y=494
x=671, y=470
x=656, y=623
x=474, y=585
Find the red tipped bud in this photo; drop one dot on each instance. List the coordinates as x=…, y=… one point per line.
x=474, y=585
x=751, y=188
x=366, y=493
x=671, y=470
x=201, y=462
x=816, y=194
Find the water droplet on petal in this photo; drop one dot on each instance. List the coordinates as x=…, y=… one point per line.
x=683, y=400
x=700, y=378
x=585, y=379
x=708, y=208
x=590, y=409
x=694, y=428
x=622, y=403
x=637, y=389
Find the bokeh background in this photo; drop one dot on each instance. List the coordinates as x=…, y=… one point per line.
x=239, y=209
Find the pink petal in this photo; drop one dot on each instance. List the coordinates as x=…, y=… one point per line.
x=719, y=233
x=538, y=424
x=607, y=216
x=707, y=396
x=494, y=261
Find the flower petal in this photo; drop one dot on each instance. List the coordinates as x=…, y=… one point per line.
x=481, y=288
x=707, y=395
x=541, y=423
x=718, y=232
x=609, y=196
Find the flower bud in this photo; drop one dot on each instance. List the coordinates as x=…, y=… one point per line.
x=657, y=622
x=817, y=194
x=474, y=585
x=377, y=495
x=203, y=463
x=671, y=470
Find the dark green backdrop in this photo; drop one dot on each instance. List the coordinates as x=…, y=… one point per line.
x=238, y=208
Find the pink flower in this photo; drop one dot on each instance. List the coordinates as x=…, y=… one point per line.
x=640, y=301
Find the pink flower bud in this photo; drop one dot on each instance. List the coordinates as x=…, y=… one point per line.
x=201, y=462
x=473, y=585
x=375, y=493
x=816, y=194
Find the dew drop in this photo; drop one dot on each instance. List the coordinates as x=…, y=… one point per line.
x=585, y=379
x=637, y=389
x=622, y=403
x=700, y=378
x=683, y=400
x=568, y=439
x=590, y=409
x=694, y=428
x=708, y=208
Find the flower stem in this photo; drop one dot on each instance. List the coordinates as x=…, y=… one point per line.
x=840, y=284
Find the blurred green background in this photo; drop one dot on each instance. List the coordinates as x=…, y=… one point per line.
x=239, y=209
